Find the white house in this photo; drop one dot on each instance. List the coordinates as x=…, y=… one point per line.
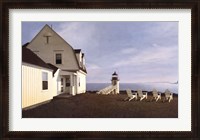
x=38, y=79
x=66, y=64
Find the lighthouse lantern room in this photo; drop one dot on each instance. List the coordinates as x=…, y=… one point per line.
x=115, y=82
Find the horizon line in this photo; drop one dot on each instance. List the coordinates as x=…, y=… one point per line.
x=130, y=82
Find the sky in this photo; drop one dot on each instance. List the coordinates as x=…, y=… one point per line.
x=138, y=51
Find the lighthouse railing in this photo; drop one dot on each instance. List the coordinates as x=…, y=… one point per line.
x=108, y=90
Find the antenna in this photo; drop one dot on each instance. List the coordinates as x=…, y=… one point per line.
x=51, y=26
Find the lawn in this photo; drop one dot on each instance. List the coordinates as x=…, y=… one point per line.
x=90, y=105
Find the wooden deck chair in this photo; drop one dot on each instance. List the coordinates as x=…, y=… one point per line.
x=141, y=95
x=168, y=95
x=156, y=95
x=130, y=95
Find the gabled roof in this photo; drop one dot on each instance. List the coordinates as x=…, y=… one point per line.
x=54, y=68
x=77, y=50
x=83, y=69
x=29, y=57
x=74, y=50
x=26, y=44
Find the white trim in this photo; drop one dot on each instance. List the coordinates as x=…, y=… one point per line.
x=81, y=71
x=43, y=90
x=63, y=73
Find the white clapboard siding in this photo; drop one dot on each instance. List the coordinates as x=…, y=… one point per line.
x=71, y=61
x=32, y=92
x=82, y=87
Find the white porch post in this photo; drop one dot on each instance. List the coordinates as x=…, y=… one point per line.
x=75, y=83
x=72, y=90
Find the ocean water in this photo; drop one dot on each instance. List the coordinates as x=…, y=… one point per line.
x=134, y=86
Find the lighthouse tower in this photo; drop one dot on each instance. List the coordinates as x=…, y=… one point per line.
x=115, y=82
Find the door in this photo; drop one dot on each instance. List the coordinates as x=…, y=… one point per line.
x=75, y=84
x=67, y=84
x=61, y=85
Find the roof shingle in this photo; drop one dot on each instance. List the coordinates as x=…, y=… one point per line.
x=29, y=57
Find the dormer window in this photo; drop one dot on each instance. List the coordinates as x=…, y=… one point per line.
x=58, y=58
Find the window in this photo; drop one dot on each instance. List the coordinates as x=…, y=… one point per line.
x=61, y=81
x=67, y=84
x=58, y=58
x=44, y=80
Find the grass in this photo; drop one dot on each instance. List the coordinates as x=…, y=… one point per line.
x=104, y=106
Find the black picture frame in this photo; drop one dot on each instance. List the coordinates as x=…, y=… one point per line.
x=194, y=5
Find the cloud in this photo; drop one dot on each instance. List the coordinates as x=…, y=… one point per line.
x=138, y=51
x=129, y=50
x=77, y=34
x=155, y=54
x=92, y=67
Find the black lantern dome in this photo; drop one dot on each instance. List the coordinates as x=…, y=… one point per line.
x=115, y=76
x=114, y=73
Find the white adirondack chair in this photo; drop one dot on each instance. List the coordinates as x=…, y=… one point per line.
x=168, y=95
x=156, y=95
x=130, y=95
x=141, y=95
